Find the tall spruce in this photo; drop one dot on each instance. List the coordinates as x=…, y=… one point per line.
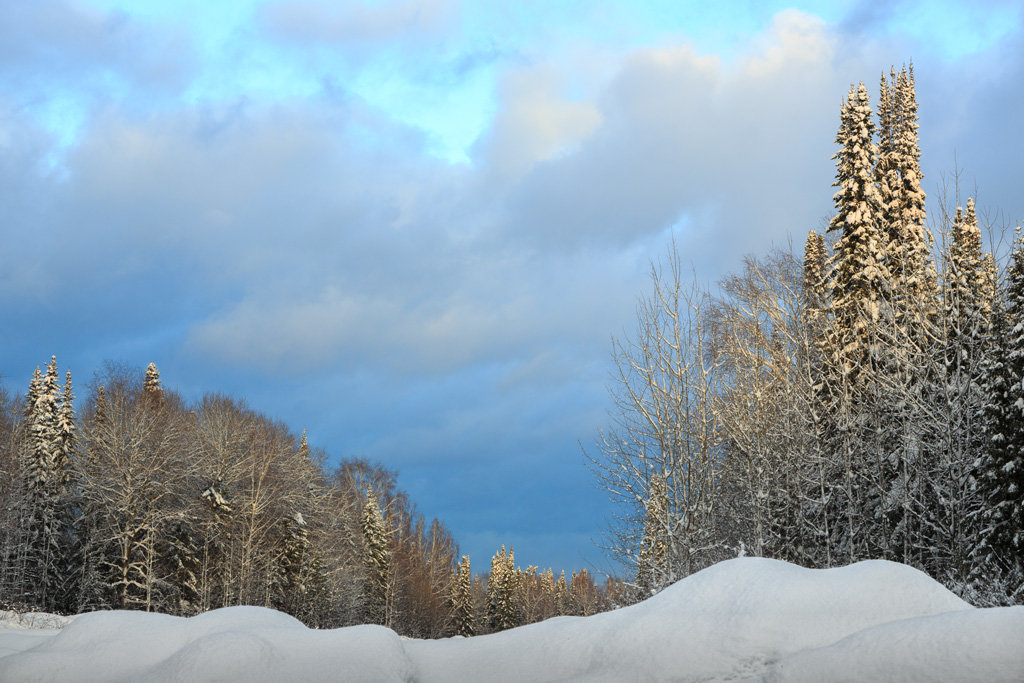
x=859, y=284
x=1001, y=469
x=908, y=376
x=818, y=467
x=501, y=591
x=377, y=561
x=968, y=293
x=902, y=199
x=462, y=600
x=151, y=382
x=43, y=489
x=859, y=279
x=958, y=438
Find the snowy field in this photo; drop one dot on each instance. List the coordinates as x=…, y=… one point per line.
x=746, y=619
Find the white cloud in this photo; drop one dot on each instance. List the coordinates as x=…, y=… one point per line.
x=361, y=22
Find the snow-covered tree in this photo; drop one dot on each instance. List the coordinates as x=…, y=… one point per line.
x=859, y=284
x=462, y=600
x=151, y=382
x=652, y=565
x=377, y=561
x=664, y=425
x=44, y=491
x=860, y=280
x=1001, y=469
x=902, y=201
x=562, y=605
x=501, y=591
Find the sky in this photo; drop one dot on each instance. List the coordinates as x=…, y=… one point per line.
x=413, y=227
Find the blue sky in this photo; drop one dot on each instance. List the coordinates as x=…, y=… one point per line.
x=412, y=227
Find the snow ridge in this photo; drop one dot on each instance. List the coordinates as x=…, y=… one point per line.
x=748, y=619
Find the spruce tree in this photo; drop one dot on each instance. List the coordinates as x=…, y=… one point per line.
x=1000, y=471
x=501, y=587
x=562, y=605
x=950, y=508
x=294, y=558
x=887, y=162
x=151, y=382
x=908, y=248
x=376, y=561
x=42, y=488
x=462, y=600
x=859, y=284
x=65, y=436
x=815, y=281
x=67, y=576
x=967, y=292
x=859, y=279
x=818, y=473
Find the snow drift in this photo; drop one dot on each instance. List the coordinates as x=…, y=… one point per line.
x=745, y=619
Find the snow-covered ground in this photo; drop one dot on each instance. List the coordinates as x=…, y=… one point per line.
x=745, y=619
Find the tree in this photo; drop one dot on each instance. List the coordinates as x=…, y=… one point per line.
x=860, y=288
x=652, y=565
x=1001, y=469
x=46, y=480
x=664, y=430
x=462, y=600
x=151, y=382
x=377, y=561
x=501, y=591
x=129, y=481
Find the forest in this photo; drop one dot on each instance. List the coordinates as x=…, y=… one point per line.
x=864, y=399
x=137, y=499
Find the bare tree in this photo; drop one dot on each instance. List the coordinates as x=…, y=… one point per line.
x=664, y=431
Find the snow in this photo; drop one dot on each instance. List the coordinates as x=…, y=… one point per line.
x=745, y=619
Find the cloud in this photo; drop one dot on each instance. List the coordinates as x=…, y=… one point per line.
x=54, y=43
x=306, y=250
x=317, y=232
x=342, y=23
x=536, y=123
x=728, y=154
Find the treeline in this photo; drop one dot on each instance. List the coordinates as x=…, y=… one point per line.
x=863, y=401
x=137, y=499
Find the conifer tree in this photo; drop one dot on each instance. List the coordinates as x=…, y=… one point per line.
x=43, y=488
x=1001, y=469
x=859, y=285
x=501, y=588
x=815, y=281
x=859, y=278
x=65, y=433
x=818, y=471
x=377, y=561
x=887, y=163
x=562, y=605
x=902, y=201
x=967, y=292
x=151, y=382
x=462, y=600
x=67, y=576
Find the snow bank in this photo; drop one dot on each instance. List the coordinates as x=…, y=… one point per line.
x=232, y=644
x=745, y=619
x=728, y=622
